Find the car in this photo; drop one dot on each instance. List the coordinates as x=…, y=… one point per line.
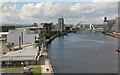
x=27, y=71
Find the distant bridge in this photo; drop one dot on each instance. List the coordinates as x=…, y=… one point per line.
x=82, y=26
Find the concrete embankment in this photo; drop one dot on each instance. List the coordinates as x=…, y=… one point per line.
x=52, y=38
x=111, y=34
x=47, y=67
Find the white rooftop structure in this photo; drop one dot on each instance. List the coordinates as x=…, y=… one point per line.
x=3, y=33
x=24, y=54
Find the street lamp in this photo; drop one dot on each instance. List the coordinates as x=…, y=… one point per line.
x=22, y=64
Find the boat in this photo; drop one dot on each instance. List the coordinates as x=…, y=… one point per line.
x=118, y=50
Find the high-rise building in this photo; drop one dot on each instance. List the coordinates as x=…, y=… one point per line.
x=108, y=24
x=61, y=24
x=47, y=27
x=35, y=24
x=117, y=25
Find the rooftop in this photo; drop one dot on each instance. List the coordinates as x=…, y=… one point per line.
x=23, y=54
x=3, y=33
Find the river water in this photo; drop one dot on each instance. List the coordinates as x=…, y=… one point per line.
x=84, y=52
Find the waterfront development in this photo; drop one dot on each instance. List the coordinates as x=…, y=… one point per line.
x=50, y=38
x=84, y=52
x=65, y=51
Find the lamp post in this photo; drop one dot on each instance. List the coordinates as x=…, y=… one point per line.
x=22, y=64
x=39, y=41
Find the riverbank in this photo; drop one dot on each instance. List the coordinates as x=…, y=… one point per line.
x=47, y=67
x=112, y=34
x=52, y=38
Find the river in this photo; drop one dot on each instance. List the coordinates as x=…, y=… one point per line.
x=84, y=52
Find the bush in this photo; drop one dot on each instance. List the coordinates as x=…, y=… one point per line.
x=47, y=36
x=51, y=34
x=16, y=49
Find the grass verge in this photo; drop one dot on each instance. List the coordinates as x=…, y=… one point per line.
x=10, y=68
x=36, y=70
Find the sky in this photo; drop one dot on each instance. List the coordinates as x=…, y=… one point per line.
x=73, y=11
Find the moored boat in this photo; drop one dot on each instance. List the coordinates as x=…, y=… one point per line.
x=118, y=50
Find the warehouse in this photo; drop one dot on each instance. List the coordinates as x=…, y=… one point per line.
x=26, y=56
x=23, y=36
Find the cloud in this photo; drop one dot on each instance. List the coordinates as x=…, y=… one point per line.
x=10, y=14
x=9, y=0
x=50, y=11
x=44, y=10
x=105, y=0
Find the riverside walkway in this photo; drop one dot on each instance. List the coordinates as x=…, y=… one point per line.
x=46, y=65
x=46, y=68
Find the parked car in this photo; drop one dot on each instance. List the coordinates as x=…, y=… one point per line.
x=27, y=71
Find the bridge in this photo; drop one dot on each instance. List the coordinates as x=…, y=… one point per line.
x=85, y=25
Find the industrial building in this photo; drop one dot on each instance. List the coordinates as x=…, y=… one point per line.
x=23, y=36
x=26, y=56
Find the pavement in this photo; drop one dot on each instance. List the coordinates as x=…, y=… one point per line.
x=9, y=71
x=46, y=68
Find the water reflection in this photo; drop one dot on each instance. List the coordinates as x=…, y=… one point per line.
x=84, y=52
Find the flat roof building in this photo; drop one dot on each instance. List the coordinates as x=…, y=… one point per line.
x=27, y=56
x=22, y=36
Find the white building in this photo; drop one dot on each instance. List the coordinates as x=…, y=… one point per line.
x=22, y=36
x=27, y=56
x=3, y=34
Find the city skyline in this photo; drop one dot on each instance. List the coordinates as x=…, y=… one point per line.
x=59, y=37
x=72, y=12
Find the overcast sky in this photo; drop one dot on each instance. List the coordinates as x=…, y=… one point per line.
x=73, y=11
